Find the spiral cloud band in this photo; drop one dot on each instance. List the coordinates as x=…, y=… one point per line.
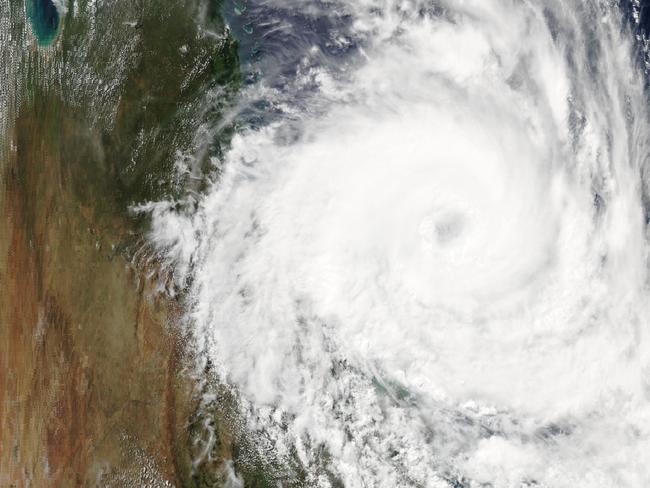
x=434, y=267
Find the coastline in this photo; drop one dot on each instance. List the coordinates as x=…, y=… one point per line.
x=93, y=383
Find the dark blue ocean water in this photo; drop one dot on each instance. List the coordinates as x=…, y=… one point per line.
x=44, y=18
x=278, y=43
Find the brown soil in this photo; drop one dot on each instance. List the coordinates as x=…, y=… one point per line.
x=90, y=388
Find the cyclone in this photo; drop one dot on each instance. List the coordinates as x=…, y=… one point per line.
x=431, y=262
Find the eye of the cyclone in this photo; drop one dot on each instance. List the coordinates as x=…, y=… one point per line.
x=441, y=228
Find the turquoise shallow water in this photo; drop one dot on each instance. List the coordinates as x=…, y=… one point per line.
x=44, y=18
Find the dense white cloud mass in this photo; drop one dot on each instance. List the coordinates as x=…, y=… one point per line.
x=441, y=277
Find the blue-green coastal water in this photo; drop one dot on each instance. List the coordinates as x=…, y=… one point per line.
x=44, y=18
